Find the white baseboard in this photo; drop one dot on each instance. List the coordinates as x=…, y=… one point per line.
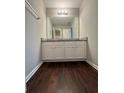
x=33, y=72
x=64, y=60
x=92, y=64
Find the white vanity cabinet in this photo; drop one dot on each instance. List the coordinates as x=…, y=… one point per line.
x=64, y=50
x=52, y=50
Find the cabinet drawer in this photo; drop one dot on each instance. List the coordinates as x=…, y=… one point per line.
x=80, y=43
x=53, y=43
x=70, y=43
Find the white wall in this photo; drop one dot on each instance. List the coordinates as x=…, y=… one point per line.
x=89, y=27
x=75, y=27
x=49, y=28
x=34, y=30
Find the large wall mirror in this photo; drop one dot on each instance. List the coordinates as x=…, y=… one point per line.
x=62, y=27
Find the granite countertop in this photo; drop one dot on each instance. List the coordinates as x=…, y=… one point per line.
x=56, y=40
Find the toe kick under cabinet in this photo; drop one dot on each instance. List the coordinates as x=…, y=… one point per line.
x=57, y=51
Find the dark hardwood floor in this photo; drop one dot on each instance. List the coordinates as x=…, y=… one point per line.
x=64, y=77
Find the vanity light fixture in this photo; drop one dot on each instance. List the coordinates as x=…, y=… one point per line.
x=62, y=12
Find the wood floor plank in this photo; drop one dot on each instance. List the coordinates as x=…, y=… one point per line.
x=64, y=77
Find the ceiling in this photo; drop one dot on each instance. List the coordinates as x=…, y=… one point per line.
x=62, y=21
x=63, y=3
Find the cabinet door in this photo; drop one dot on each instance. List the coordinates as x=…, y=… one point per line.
x=69, y=52
x=80, y=50
x=53, y=52
x=47, y=52
x=58, y=52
